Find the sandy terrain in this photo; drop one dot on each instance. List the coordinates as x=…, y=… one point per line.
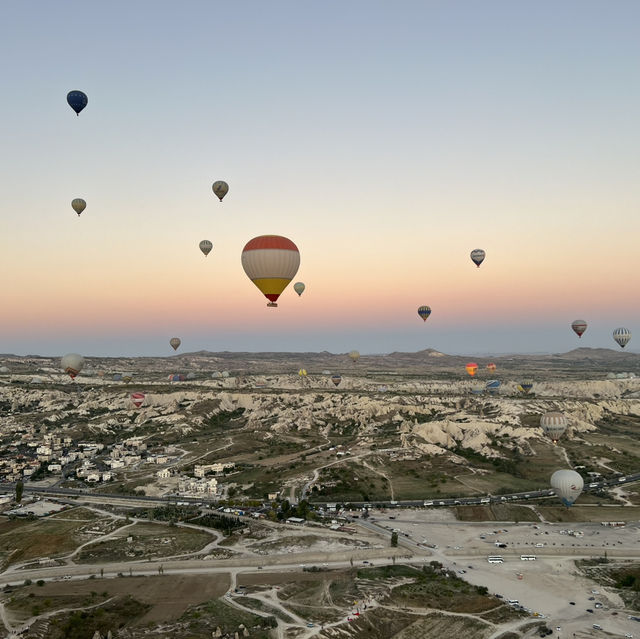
x=550, y=582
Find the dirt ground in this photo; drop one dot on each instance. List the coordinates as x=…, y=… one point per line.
x=277, y=578
x=170, y=595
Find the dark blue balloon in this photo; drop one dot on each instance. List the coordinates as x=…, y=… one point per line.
x=77, y=100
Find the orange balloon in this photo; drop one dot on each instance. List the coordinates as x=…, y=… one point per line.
x=472, y=368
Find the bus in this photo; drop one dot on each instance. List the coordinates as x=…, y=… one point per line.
x=528, y=557
x=495, y=559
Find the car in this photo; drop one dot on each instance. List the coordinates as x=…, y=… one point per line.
x=572, y=603
x=628, y=635
x=589, y=610
x=596, y=626
x=310, y=625
x=592, y=598
x=462, y=572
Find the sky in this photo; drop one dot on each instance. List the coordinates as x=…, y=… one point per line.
x=386, y=139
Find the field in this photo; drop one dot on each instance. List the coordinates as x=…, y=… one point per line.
x=496, y=512
x=148, y=541
x=589, y=513
x=21, y=540
x=164, y=598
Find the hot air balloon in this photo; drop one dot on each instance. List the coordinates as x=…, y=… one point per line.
x=127, y=378
x=302, y=372
x=77, y=100
x=117, y=377
x=220, y=188
x=553, y=424
x=424, y=312
x=137, y=399
x=477, y=256
x=175, y=342
x=526, y=386
x=493, y=385
x=205, y=247
x=176, y=378
x=355, y=356
x=78, y=205
x=299, y=287
x=336, y=379
x=491, y=367
x=568, y=485
x=72, y=364
x=622, y=336
x=579, y=327
x=270, y=262
x=472, y=368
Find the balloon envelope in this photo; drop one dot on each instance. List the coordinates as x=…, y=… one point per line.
x=78, y=205
x=205, y=247
x=471, y=368
x=72, y=364
x=299, y=287
x=477, y=256
x=302, y=372
x=424, y=312
x=568, y=485
x=622, y=336
x=220, y=188
x=579, y=327
x=491, y=367
x=553, y=424
x=77, y=100
x=526, y=386
x=336, y=379
x=175, y=342
x=355, y=356
x=270, y=262
x=137, y=399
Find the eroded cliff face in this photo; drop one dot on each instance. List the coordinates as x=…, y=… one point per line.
x=430, y=417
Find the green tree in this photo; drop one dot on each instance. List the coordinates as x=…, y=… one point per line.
x=19, y=491
x=394, y=540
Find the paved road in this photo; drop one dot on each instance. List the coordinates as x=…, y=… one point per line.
x=451, y=501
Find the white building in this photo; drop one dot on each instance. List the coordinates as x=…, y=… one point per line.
x=202, y=470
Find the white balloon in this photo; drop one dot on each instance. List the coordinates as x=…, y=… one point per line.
x=622, y=336
x=568, y=485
